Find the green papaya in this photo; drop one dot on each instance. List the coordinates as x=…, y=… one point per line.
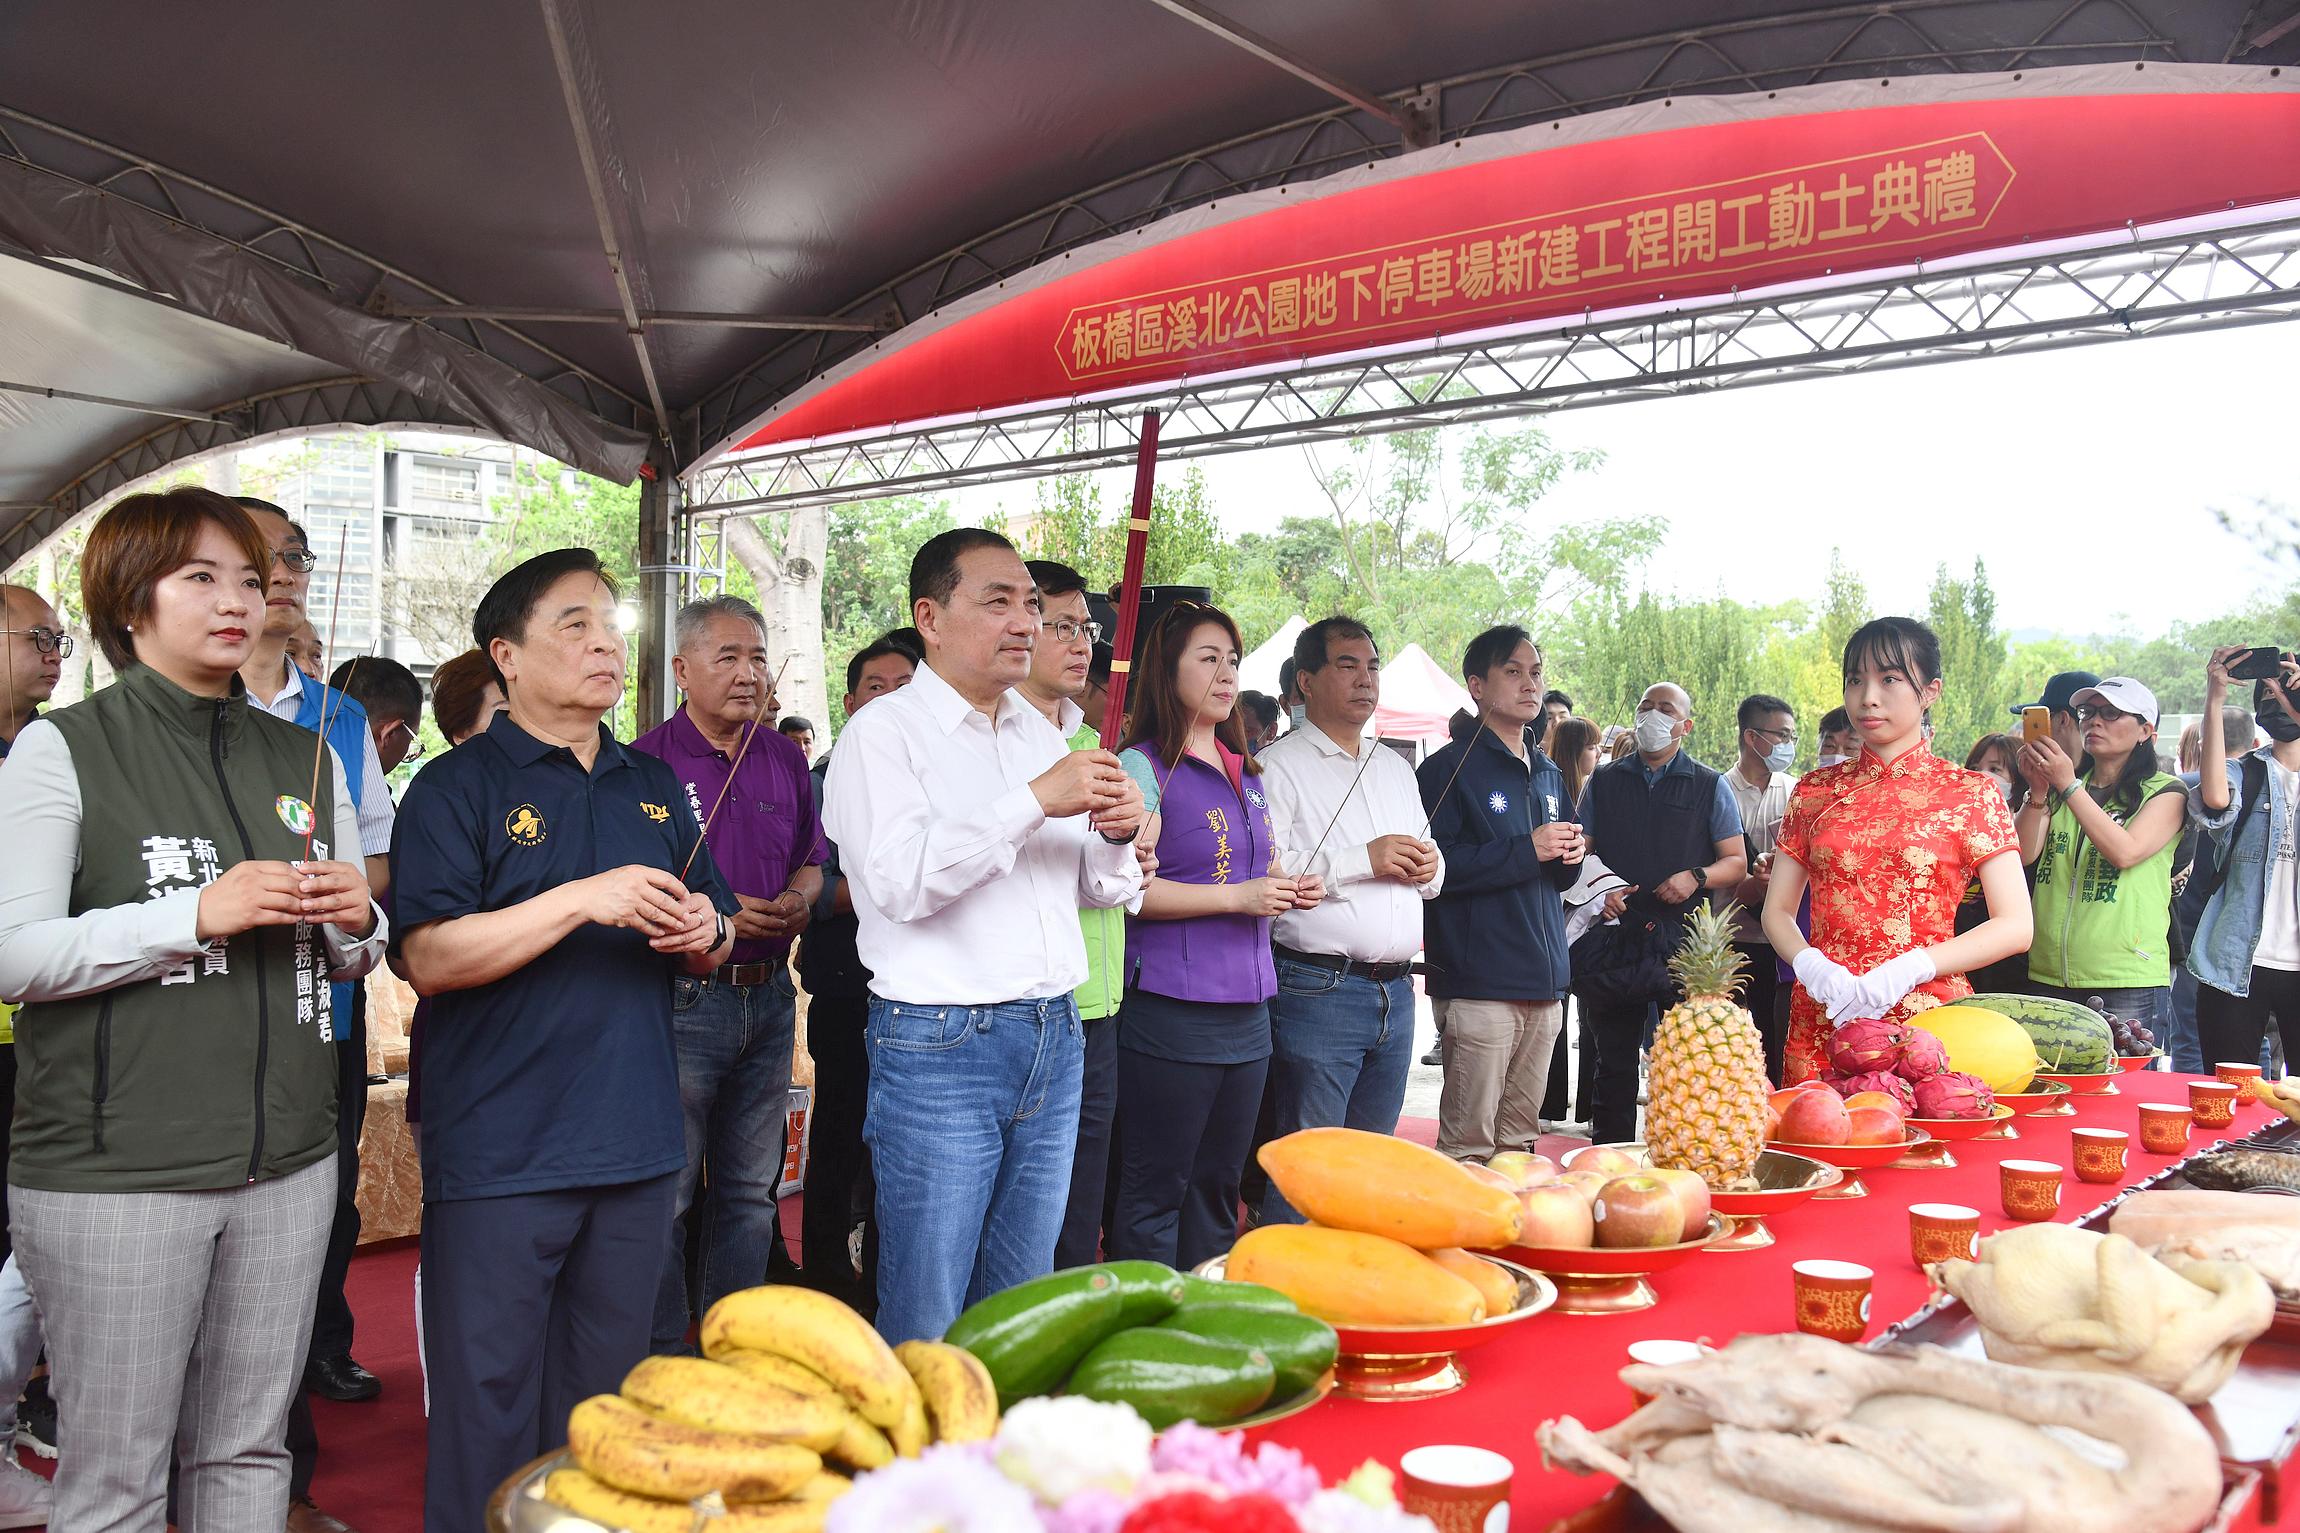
x=1031, y=1335
x=1300, y=1347
x=1170, y=1376
x=1147, y=1291
x=1199, y=1290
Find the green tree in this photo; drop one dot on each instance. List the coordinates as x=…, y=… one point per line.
x=1962, y=614
x=1073, y=522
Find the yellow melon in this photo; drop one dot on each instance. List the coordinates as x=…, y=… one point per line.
x=1983, y=1043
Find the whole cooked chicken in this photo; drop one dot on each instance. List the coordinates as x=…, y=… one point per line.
x=2054, y=1296
x=1794, y=1434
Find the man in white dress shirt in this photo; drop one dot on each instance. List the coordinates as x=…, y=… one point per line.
x=971, y=834
x=1342, y=1023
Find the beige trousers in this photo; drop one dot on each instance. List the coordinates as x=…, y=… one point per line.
x=1496, y=1072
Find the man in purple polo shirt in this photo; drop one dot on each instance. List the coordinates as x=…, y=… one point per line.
x=734, y=1027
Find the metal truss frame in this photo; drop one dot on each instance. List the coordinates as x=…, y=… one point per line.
x=2227, y=277
x=309, y=407
x=1852, y=41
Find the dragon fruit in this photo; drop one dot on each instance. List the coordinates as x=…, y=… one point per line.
x=1922, y=1057
x=1954, y=1094
x=1870, y=1044
x=1877, y=1080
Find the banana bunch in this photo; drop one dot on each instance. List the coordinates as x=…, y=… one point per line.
x=791, y=1383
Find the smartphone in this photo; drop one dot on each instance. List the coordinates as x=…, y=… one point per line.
x=2035, y=725
x=2259, y=663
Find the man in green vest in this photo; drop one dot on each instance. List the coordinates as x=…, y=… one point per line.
x=1061, y=663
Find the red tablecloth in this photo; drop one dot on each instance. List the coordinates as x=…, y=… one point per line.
x=1568, y=1365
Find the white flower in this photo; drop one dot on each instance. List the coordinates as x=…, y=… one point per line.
x=1059, y=1446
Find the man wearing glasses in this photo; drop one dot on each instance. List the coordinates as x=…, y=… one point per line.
x=36, y=649
x=393, y=699
x=1761, y=784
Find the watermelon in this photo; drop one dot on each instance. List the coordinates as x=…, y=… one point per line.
x=2070, y=1039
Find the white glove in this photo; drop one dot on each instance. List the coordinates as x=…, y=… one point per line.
x=1832, y=986
x=1881, y=989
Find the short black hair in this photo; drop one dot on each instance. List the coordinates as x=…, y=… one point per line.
x=1288, y=669
x=1098, y=668
x=1553, y=697
x=1836, y=721
x=1756, y=705
x=1053, y=578
x=877, y=649
x=1492, y=647
x=254, y=503
x=384, y=687
x=1262, y=706
x=1313, y=646
x=934, y=568
x=510, y=602
x=793, y=724
x=1895, y=644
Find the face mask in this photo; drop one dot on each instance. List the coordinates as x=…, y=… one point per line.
x=1781, y=757
x=1297, y=716
x=1828, y=759
x=1655, y=730
x=2279, y=725
x=2004, y=788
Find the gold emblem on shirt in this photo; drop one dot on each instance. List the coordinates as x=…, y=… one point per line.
x=656, y=812
x=524, y=825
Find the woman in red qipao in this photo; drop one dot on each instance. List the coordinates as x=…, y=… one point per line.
x=1887, y=842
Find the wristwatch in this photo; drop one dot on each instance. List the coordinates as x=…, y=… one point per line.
x=1700, y=878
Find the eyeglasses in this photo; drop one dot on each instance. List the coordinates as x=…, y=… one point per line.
x=46, y=640
x=296, y=557
x=1774, y=734
x=414, y=740
x=1067, y=632
x=2087, y=712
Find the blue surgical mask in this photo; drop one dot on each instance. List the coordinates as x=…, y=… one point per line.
x=1829, y=759
x=1781, y=757
x=1297, y=717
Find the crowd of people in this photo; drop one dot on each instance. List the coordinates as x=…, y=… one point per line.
x=1056, y=994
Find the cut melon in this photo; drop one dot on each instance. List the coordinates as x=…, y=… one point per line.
x=1983, y=1043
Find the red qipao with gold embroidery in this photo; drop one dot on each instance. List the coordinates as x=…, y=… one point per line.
x=1887, y=851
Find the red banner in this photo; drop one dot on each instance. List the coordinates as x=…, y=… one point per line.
x=1664, y=216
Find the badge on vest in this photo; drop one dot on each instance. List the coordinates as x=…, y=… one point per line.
x=525, y=826
x=294, y=813
x=1497, y=801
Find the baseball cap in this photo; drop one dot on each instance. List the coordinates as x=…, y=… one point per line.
x=2121, y=692
x=2060, y=692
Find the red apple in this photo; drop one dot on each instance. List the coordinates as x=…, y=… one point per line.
x=1583, y=1183
x=1874, y=1125
x=1605, y=1158
x=1637, y=1211
x=1692, y=1196
x=1522, y=1167
x=1557, y=1214
x=1879, y=1099
x=1815, y=1117
x=1489, y=1176
x=1772, y=1121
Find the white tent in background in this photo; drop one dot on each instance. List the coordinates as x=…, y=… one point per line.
x=1258, y=672
x=1418, y=697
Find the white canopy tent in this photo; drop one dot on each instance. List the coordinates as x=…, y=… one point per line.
x=1258, y=672
x=1418, y=697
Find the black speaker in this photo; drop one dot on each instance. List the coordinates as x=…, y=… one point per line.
x=1155, y=601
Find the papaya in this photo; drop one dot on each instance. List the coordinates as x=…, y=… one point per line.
x=1347, y=1277
x=1494, y=1284
x=1377, y=1184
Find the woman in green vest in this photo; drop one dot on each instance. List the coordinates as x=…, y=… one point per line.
x=2100, y=834
x=172, y=908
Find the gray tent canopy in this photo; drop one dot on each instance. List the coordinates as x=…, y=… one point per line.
x=611, y=231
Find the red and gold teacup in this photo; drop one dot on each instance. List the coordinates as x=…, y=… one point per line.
x=2240, y=1076
x=2100, y=1153
x=2213, y=1103
x=1939, y=1232
x=2164, y=1128
x=1833, y=1299
x=1458, y=1488
x=2031, y=1189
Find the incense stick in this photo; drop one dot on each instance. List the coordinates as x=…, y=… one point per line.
x=1366, y=749
x=1466, y=747
x=319, y=750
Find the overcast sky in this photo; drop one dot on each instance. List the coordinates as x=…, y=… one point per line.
x=2087, y=478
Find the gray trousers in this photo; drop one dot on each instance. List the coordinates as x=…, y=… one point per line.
x=175, y=1318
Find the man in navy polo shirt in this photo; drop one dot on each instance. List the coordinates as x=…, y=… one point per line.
x=545, y=918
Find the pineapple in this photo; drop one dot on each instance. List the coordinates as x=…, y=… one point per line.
x=1706, y=1088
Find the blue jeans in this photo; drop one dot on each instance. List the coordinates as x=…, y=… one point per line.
x=2181, y=1040
x=734, y=1086
x=1341, y=1046
x=972, y=1125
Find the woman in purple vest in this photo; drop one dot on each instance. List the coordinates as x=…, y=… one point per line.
x=1194, y=1027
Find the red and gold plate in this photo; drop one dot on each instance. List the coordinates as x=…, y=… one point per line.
x=1944, y=1131
x=2097, y=1083
x=1610, y=1280
x=1853, y=1157
x=2049, y=1100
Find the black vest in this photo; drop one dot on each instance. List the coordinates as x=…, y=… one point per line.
x=1647, y=834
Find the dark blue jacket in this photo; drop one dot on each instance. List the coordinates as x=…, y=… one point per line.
x=1497, y=932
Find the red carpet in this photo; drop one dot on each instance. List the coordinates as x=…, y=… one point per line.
x=371, y=1455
